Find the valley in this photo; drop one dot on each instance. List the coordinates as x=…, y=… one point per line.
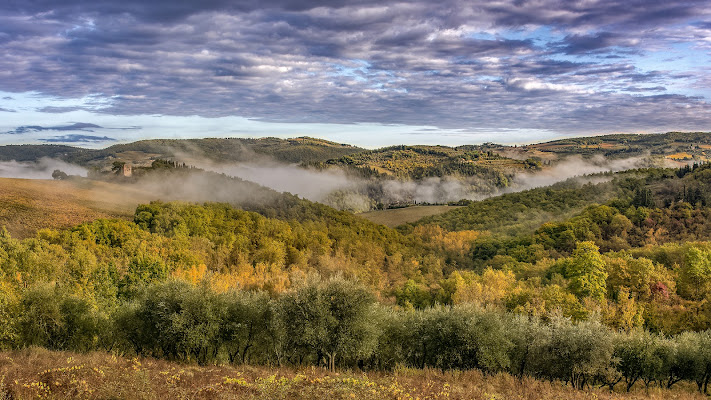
x=584, y=285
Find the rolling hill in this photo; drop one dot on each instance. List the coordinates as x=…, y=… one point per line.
x=613, y=269
x=418, y=162
x=673, y=145
x=297, y=150
x=28, y=205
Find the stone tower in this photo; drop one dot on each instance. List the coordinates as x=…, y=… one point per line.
x=126, y=170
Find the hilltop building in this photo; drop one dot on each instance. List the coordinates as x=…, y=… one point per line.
x=126, y=170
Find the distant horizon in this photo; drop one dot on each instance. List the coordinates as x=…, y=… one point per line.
x=93, y=140
x=107, y=144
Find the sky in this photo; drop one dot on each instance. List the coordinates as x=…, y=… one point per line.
x=370, y=73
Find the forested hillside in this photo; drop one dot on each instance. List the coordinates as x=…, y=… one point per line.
x=295, y=150
x=524, y=211
x=603, y=281
x=675, y=145
x=350, y=178
x=418, y=162
x=401, y=161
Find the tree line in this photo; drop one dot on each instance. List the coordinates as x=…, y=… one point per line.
x=337, y=323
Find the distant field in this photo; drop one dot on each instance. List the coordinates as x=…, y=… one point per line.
x=27, y=205
x=399, y=216
x=680, y=156
x=603, y=146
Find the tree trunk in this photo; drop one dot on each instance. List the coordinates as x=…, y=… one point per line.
x=631, y=383
x=244, y=353
x=522, y=367
x=331, y=361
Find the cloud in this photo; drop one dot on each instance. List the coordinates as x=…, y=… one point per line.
x=535, y=85
x=78, y=139
x=58, y=110
x=595, y=43
x=571, y=67
x=71, y=138
x=78, y=126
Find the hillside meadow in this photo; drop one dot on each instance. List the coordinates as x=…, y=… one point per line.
x=28, y=205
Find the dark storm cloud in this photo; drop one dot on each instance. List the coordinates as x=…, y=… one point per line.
x=166, y=10
x=541, y=64
x=78, y=126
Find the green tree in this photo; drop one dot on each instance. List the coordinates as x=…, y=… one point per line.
x=574, y=353
x=245, y=326
x=525, y=333
x=174, y=320
x=9, y=315
x=413, y=294
x=635, y=354
x=333, y=319
x=586, y=271
x=694, y=357
x=116, y=166
x=59, y=175
x=694, y=279
x=58, y=321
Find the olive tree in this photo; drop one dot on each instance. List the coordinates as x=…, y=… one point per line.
x=458, y=337
x=245, y=325
x=574, y=352
x=174, y=320
x=57, y=320
x=694, y=357
x=333, y=319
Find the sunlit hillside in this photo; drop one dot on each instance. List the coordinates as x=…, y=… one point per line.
x=27, y=205
x=296, y=150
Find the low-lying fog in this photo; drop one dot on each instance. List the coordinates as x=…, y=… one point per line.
x=336, y=188
x=41, y=169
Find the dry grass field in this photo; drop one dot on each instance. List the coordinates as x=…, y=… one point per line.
x=27, y=205
x=37, y=373
x=398, y=216
x=680, y=156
